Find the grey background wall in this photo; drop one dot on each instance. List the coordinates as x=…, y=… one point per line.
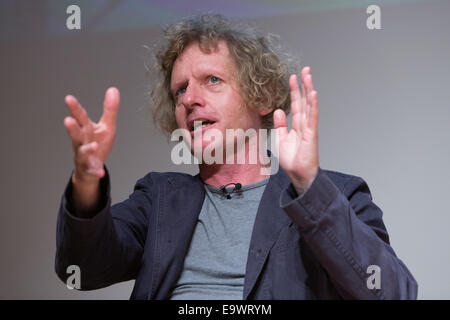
x=384, y=112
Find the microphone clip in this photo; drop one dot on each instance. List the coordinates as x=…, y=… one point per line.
x=236, y=187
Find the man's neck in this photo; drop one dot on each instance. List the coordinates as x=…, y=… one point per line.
x=222, y=174
x=249, y=172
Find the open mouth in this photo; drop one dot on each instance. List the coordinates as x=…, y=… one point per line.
x=201, y=124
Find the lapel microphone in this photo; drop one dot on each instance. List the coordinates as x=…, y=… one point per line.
x=237, y=187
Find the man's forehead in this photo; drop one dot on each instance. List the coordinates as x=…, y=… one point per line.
x=194, y=56
x=194, y=59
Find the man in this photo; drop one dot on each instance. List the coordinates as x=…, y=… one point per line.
x=302, y=233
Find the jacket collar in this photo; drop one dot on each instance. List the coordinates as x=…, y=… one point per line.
x=180, y=203
x=180, y=199
x=270, y=220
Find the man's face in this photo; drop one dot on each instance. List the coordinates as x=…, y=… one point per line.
x=205, y=89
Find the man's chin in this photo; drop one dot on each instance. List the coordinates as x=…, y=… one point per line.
x=210, y=152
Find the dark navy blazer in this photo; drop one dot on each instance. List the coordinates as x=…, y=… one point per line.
x=316, y=246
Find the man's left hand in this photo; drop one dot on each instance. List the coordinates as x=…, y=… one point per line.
x=298, y=147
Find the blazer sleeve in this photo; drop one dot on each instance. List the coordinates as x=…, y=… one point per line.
x=346, y=233
x=108, y=246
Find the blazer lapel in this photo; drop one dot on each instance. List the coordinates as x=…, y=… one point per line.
x=270, y=219
x=180, y=202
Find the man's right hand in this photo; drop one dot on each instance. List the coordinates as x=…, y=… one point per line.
x=91, y=144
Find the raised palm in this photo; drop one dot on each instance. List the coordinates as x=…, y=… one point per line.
x=298, y=147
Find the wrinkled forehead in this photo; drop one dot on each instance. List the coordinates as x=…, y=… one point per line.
x=216, y=58
x=207, y=48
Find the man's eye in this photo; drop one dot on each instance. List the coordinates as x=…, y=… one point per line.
x=181, y=91
x=213, y=79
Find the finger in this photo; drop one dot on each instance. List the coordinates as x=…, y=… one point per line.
x=304, y=108
x=95, y=166
x=74, y=131
x=309, y=84
x=313, y=117
x=303, y=74
x=296, y=103
x=305, y=71
x=77, y=111
x=88, y=161
x=311, y=96
x=85, y=149
x=110, y=106
x=279, y=122
x=303, y=99
x=295, y=94
x=307, y=80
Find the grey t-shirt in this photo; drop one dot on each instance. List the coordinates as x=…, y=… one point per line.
x=214, y=267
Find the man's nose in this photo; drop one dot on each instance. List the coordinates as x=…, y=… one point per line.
x=192, y=98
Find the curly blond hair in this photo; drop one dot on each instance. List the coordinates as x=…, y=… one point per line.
x=262, y=76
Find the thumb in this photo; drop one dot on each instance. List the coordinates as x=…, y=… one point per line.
x=279, y=122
